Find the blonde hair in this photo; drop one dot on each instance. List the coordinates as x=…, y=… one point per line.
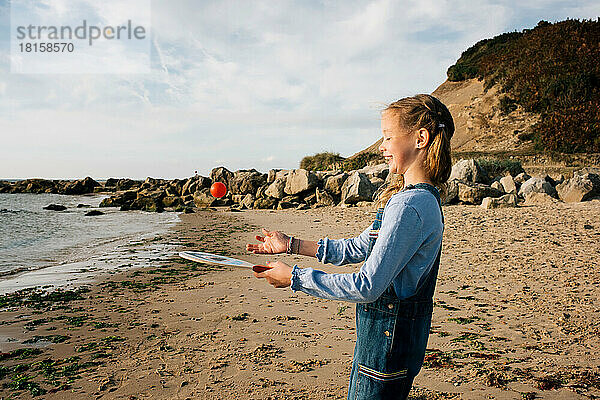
x=424, y=111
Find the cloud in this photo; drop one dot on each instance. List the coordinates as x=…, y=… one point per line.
x=244, y=81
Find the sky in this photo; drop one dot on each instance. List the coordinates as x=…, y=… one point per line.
x=241, y=84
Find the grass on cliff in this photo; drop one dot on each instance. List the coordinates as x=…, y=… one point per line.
x=551, y=70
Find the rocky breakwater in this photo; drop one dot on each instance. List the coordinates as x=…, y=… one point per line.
x=36, y=185
x=471, y=183
x=491, y=186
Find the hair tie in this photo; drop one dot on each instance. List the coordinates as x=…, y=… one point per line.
x=441, y=125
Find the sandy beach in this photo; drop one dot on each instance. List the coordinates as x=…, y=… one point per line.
x=517, y=316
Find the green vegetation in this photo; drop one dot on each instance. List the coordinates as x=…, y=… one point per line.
x=497, y=167
x=551, y=70
x=321, y=161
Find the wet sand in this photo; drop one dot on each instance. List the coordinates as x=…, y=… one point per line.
x=517, y=316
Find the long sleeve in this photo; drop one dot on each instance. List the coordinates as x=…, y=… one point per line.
x=344, y=251
x=400, y=237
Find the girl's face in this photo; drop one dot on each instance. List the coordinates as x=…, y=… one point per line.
x=398, y=147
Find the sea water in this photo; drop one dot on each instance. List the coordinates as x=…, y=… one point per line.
x=40, y=247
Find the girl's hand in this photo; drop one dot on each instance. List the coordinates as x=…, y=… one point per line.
x=274, y=242
x=280, y=274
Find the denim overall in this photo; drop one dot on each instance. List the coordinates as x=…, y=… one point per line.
x=392, y=334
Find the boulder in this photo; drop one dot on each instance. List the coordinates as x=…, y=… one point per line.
x=248, y=201
x=536, y=198
x=334, y=183
x=357, y=188
x=265, y=203
x=260, y=193
x=287, y=204
x=579, y=188
x=271, y=175
x=119, y=200
x=522, y=178
x=221, y=174
x=506, y=201
x=323, y=198
x=468, y=171
x=311, y=198
x=508, y=184
x=55, y=207
x=376, y=171
x=498, y=186
x=191, y=185
x=277, y=188
x=93, y=213
x=474, y=193
x=246, y=181
x=203, y=198
x=377, y=182
x=539, y=185
x=451, y=192
x=300, y=180
x=172, y=201
x=145, y=203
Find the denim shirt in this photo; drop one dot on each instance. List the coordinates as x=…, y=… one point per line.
x=406, y=249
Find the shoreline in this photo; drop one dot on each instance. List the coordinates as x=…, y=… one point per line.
x=184, y=330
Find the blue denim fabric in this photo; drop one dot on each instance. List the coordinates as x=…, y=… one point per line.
x=392, y=337
x=409, y=239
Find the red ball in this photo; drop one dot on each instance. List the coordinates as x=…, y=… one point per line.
x=218, y=189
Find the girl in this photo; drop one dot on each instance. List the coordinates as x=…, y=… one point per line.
x=394, y=287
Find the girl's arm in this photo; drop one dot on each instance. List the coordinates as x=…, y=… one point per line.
x=399, y=240
x=328, y=251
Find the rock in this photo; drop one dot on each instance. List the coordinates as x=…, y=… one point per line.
x=357, y=188
x=451, y=192
x=93, y=213
x=126, y=184
x=468, y=171
x=55, y=207
x=334, y=183
x=474, y=193
x=80, y=205
x=303, y=206
x=248, y=201
x=300, y=180
x=276, y=189
x=191, y=185
x=119, y=200
x=536, y=198
x=376, y=171
x=508, y=184
x=221, y=174
x=271, y=175
x=286, y=204
x=246, y=181
x=506, y=201
x=260, y=193
x=147, y=203
x=539, y=185
x=265, y=203
x=311, y=199
x=521, y=178
x=377, y=182
x=172, y=201
x=498, y=186
x=203, y=198
x=323, y=198
x=237, y=198
x=579, y=188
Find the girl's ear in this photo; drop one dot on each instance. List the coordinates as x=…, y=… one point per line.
x=422, y=138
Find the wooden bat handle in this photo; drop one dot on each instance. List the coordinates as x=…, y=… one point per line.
x=260, y=268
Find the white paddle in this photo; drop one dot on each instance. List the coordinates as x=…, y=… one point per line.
x=208, y=258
